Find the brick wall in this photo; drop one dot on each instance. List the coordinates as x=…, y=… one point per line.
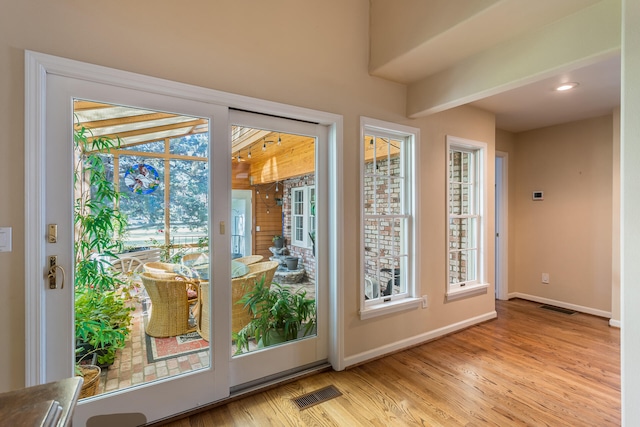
x=381, y=196
x=459, y=203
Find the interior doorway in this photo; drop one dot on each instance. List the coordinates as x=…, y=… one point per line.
x=241, y=223
x=501, y=226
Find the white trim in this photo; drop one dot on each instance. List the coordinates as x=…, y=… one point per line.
x=35, y=87
x=503, y=251
x=336, y=245
x=467, y=291
x=38, y=66
x=411, y=155
x=615, y=323
x=575, y=307
x=418, y=339
x=395, y=306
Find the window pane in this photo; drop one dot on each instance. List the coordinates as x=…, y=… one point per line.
x=298, y=202
x=462, y=266
x=381, y=196
x=150, y=147
x=298, y=228
x=395, y=229
x=188, y=201
x=395, y=167
x=462, y=233
x=368, y=193
x=460, y=166
x=191, y=145
x=390, y=283
x=144, y=210
x=395, y=197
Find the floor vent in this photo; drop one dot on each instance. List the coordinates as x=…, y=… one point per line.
x=310, y=399
x=558, y=309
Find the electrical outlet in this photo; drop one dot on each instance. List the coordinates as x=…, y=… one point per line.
x=424, y=301
x=545, y=277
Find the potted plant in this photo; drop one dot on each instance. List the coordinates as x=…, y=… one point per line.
x=278, y=315
x=88, y=370
x=278, y=241
x=102, y=316
x=292, y=262
x=101, y=323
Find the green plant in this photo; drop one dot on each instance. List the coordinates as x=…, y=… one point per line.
x=277, y=314
x=102, y=316
x=277, y=237
x=97, y=217
x=102, y=321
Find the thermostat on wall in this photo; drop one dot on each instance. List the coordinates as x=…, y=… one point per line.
x=538, y=195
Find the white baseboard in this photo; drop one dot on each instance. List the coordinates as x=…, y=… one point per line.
x=415, y=340
x=615, y=323
x=582, y=309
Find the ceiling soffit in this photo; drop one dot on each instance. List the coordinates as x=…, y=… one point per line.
x=402, y=50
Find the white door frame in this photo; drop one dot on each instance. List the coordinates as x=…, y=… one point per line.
x=502, y=226
x=37, y=66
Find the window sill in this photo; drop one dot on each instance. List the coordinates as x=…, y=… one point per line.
x=467, y=291
x=390, y=307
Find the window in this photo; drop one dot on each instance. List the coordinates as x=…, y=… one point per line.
x=303, y=216
x=389, y=153
x=466, y=215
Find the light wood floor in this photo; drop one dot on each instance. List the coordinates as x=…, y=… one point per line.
x=530, y=366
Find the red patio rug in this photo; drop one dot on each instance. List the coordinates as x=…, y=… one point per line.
x=159, y=349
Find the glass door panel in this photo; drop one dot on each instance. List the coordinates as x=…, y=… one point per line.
x=275, y=289
x=141, y=244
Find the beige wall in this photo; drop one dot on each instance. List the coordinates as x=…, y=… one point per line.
x=569, y=234
x=314, y=56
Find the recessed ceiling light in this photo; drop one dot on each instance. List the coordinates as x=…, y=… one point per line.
x=566, y=86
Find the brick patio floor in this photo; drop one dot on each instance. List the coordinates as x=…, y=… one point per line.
x=132, y=368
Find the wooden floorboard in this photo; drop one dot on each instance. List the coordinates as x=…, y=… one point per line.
x=528, y=367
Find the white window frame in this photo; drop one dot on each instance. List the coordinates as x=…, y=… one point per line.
x=308, y=220
x=479, y=213
x=407, y=300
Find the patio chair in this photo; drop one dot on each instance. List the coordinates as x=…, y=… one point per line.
x=127, y=265
x=249, y=259
x=159, y=267
x=266, y=268
x=171, y=300
x=240, y=316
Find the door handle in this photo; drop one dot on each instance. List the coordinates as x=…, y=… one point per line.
x=52, y=276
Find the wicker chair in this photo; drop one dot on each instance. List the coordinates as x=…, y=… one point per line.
x=249, y=259
x=159, y=267
x=240, y=316
x=171, y=298
x=266, y=268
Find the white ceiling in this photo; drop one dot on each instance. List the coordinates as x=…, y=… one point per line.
x=537, y=105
